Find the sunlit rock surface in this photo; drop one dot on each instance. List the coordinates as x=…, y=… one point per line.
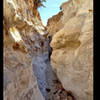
x=26, y=55
x=19, y=80
x=54, y=24
x=72, y=56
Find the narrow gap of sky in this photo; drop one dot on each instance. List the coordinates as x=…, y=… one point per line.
x=52, y=8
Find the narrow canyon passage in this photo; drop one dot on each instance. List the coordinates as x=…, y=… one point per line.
x=40, y=66
x=48, y=82
x=34, y=37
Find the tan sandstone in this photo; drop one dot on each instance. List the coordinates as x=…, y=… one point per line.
x=72, y=56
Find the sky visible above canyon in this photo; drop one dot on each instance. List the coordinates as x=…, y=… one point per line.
x=52, y=8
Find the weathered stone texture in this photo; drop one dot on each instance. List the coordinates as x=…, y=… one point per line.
x=72, y=56
x=19, y=80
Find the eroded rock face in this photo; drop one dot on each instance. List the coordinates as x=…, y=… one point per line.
x=72, y=56
x=25, y=35
x=19, y=80
x=54, y=24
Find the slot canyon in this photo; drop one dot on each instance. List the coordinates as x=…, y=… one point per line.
x=52, y=62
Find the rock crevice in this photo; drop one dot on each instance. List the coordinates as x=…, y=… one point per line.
x=30, y=71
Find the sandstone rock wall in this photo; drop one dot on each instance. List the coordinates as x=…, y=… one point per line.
x=54, y=24
x=24, y=36
x=19, y=80
x=72, y=57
